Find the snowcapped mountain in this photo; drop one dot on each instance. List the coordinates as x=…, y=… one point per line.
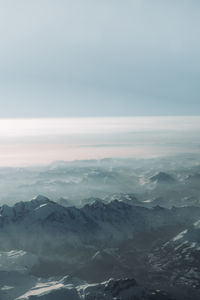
x=41, y=219
x=173, y=179
x=127, y=198
x=17, y=284
x=73, y=289
x=179, y=259
x=95, y=242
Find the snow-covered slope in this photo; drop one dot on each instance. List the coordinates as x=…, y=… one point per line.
x=179, y=259
x=17, y=260
x=40, y=220
x=125, y=197
x=106, y=238
x=52, y=289
x=15, y=278
x=67, y=288
x=17, y=284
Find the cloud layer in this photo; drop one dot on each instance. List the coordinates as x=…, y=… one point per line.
x=41, y=141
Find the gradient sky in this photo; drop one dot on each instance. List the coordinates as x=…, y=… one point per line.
x=66, y=58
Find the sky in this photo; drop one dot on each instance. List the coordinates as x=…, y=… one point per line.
x=75, y=58
x=40, y=141
x=93, y=79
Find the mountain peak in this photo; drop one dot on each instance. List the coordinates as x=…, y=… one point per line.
x=41, y=199
x=162, y=177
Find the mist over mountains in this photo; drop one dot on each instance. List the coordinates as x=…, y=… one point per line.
x=164, y=181
x=99, y=150
x=101, y=229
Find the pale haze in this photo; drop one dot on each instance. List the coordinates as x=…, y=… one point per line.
x=93, y=79
x=26, y=142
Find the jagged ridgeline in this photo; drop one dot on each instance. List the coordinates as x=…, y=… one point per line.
x=106, y=229
x=94, y=243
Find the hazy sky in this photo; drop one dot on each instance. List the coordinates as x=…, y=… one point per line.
x=61, y=58
x=41, y=141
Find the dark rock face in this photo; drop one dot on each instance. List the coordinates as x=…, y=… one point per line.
x=178, y=261
x=162, y=177
x=108, y=240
